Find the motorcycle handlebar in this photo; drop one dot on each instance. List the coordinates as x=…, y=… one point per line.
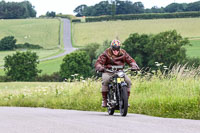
x=111, y=71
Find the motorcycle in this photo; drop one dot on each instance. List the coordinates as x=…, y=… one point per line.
x=117, y=97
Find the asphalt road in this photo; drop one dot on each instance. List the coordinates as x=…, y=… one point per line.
x=41, y=120
x=66, y=40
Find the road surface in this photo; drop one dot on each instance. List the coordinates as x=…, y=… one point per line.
x=66, y=40
x=41, y=120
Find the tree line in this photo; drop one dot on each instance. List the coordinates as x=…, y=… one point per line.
x=115, y=7
x=16, y=10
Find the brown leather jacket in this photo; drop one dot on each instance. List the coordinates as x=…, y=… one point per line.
x=108, y=59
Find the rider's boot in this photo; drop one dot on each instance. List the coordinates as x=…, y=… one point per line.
x=128, y=98
x=104, y=101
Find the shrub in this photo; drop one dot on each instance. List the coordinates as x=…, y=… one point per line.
x=5, y=79
x=165, y=47
x=143, y=16
x=55, y=77
x=22, y=66
x=28, y=46
x=91, y=49
x=8, y=43
x=192, y=62
x=77, y=62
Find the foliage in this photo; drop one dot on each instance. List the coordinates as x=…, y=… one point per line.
x=55, y=77
x=8, y=43
x=192, y=62
x=90, y=49
x=76, y=63
x=143, y=16
x=28, y=46
x=165, y=47
x=5, y=79
x=51, y=14
x=16, y=10
x=22, y=66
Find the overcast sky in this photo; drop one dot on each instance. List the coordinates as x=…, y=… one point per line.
x=67, y=6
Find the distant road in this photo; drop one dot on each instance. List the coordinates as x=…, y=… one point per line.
x=41, y=120
x=66, y=40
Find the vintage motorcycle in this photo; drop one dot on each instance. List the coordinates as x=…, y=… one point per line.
x=117, y=97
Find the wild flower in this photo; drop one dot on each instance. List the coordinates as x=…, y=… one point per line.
x=158, y=64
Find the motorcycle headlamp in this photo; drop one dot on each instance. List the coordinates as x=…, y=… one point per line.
x=121, y=74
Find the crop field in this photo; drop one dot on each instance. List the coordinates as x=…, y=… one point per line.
x=84, y=33
x=44, y=32
x=174, y=97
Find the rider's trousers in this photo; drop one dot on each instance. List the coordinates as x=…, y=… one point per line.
x=105, y=80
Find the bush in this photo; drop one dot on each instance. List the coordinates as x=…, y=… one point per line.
x=5, y=79
x=55, y=77
x=165, y=47
x=76, y=20
x=144, y=16
x=28, y=46
x=91, y=49
x=77, y=62
x=8, y=43
x=192, y=62
x=22, y=66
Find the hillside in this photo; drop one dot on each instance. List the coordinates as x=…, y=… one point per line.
x=44, y=32
x=85, y=33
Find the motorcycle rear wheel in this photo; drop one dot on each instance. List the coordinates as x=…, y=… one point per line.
x=124, y=102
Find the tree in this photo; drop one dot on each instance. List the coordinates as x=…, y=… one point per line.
x=22, y=66
x=165, y=47
x=51, y=14
x=16, y=10
x=77, y=62
x=175, y=7
x=80, y=10
x=8, y=43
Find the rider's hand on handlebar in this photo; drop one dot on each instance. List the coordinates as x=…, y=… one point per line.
x=135, y=67
x=101, y=69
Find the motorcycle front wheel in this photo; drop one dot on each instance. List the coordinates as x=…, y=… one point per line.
x=111, y=111
x=123, y=103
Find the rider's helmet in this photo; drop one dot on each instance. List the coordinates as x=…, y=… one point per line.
x=115, y=45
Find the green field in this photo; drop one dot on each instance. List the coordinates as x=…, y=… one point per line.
x=44, y=32
x=84, y=33
x=194, y=50
x=50, y=66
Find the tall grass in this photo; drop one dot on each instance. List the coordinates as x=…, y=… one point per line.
x=172, y=96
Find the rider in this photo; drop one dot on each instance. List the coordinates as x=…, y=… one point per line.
x=113, y=56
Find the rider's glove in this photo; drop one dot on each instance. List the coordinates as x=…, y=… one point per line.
x=134, y=66
x=101, y=69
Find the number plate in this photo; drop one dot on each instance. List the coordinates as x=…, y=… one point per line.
x=119, y=80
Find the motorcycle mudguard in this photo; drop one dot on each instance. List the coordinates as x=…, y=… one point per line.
x=123, y=84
